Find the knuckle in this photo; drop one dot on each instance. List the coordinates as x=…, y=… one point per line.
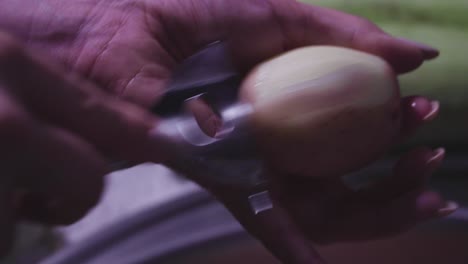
x=364, y=24
x=360, y=27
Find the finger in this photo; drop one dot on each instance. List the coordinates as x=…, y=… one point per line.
x=409, y=210
x=206, y=117
x=337, y=28
x=10, y=121
x=277, y=233
x=417, y=110
x=381, y=220
x=64, y=175
x=411, y=172
x=258, y=30
x=48, y=161
x=112, y=125
x=280, y=235
x=394, y=204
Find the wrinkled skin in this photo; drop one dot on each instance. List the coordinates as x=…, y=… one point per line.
x=129, y=48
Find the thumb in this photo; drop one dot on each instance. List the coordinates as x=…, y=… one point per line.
x=63, y=99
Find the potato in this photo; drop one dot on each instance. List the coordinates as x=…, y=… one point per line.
x=323, y=111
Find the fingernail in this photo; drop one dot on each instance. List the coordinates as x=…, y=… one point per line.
x=435, y=160
x=434, y=111
x=205, y=115
x=426, y=109
x=449, y=208
x=428, y=51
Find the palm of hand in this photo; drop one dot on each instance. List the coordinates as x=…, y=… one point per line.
x=115, y=43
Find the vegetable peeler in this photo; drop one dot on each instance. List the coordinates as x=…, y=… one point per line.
x=228, y=158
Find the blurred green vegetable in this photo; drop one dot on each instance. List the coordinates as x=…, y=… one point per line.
x=442, y=24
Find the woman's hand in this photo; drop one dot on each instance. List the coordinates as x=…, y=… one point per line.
x=315, y=211
x=310, y=212
x=130, y=47
x=57, y=131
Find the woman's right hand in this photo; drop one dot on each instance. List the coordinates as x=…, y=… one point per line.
x=56, y=131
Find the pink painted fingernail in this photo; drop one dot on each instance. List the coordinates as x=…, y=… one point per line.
x=449, y=208
x=435, y=160
x=428, y=51
x=425, y=109
x=435, y=106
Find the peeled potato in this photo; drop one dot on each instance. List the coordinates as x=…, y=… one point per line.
x=323, y=111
